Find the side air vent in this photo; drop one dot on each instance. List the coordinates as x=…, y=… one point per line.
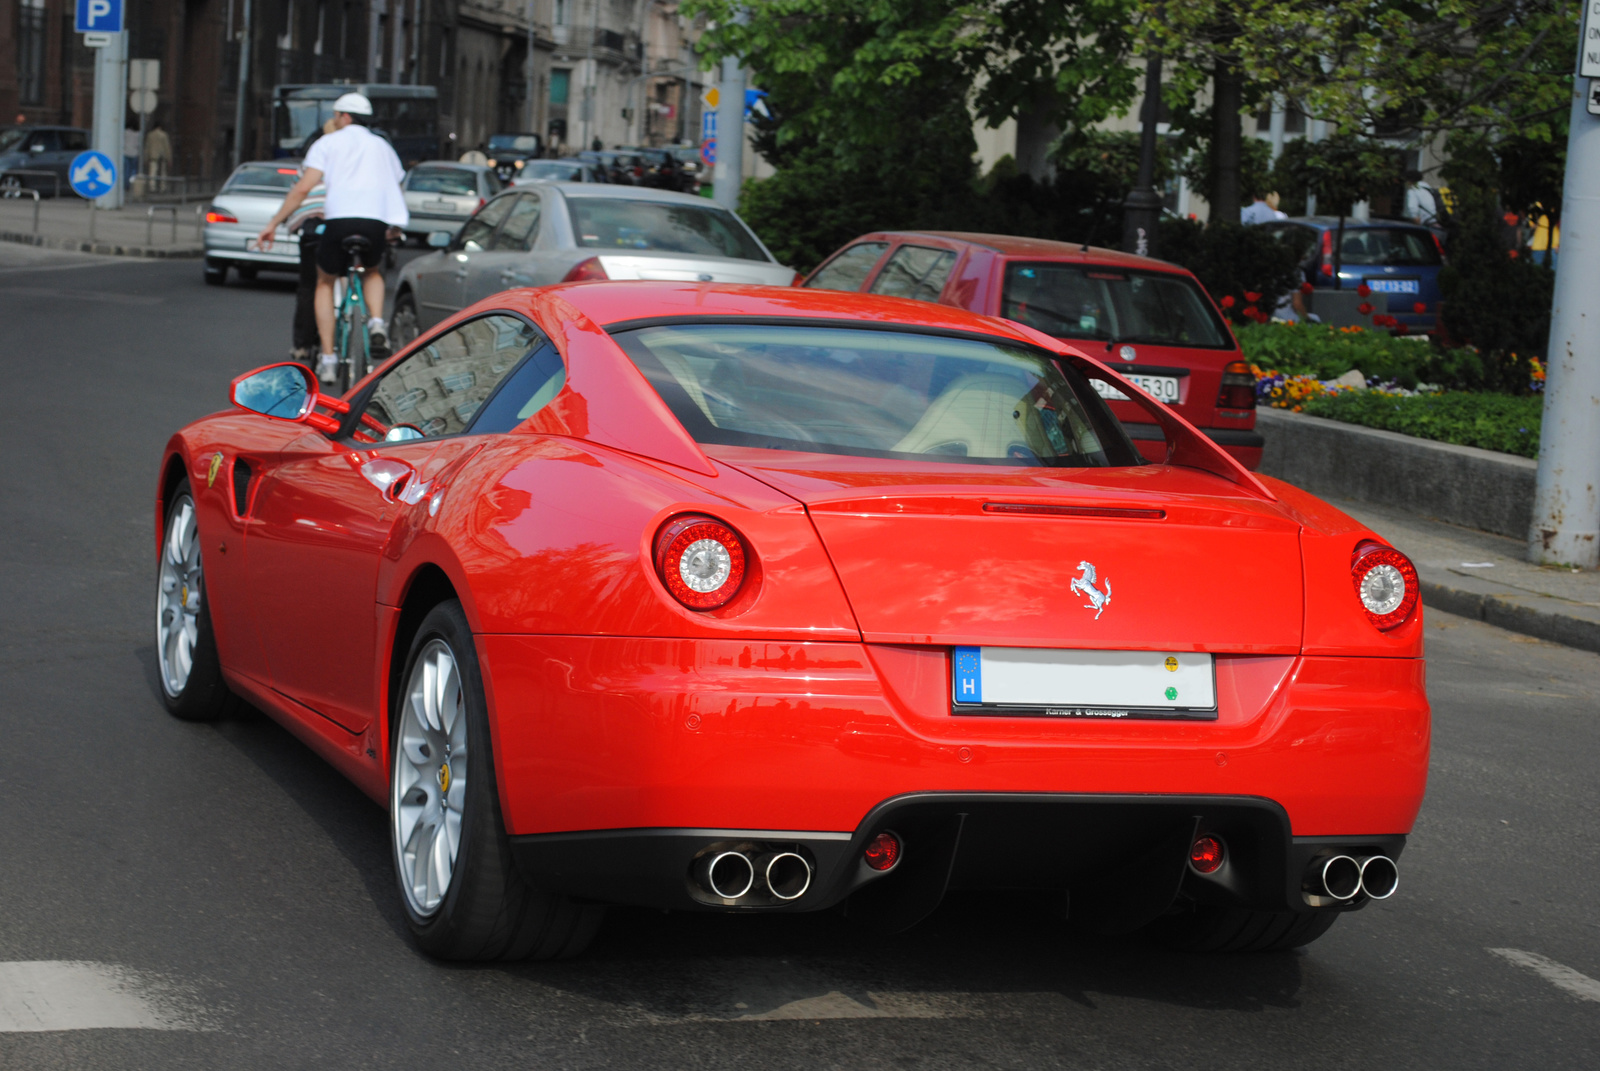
x=241, y=486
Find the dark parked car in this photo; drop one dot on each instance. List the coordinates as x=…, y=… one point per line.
x=1397, y=259
x=562, y=170
x=510, y=153
x=620, y=167
x=41, y=148
x=661, y=170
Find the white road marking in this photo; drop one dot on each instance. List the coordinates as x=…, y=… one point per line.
x=74, y=995
x=1557, y=974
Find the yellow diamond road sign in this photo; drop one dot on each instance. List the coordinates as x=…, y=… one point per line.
x=710, y=97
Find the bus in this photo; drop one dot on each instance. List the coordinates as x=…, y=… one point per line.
x=407, y=115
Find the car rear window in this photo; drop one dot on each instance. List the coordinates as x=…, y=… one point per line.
x=1111, y=304
x=849, y=269
x=553, y=171
x=873, y=393
x=1389, y=245
x=514, y=142
x=266, y=176
x=446, y=180
x=617, y=224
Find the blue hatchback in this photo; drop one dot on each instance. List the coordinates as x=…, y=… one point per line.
x=1397, y=259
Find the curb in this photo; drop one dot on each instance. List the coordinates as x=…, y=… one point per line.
x=1540, y=616
x=104, y=248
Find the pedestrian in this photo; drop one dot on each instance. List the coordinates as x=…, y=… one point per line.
x=130, y=152
x=1423, y=203
x=157, y=152
x=363, y=198
x=1259, y=211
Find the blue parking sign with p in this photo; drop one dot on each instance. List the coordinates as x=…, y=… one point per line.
x=99, y=16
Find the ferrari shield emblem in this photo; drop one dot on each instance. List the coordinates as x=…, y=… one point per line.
x=1084, y=583
x=216, y=467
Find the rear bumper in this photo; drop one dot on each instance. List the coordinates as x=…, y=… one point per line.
x=618, y=733
x=228, y=242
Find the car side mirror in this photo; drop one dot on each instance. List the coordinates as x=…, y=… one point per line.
x=282, y=391
x=439, y=239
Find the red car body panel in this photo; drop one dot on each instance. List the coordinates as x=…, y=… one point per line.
x=976, y=283
x=823, y=688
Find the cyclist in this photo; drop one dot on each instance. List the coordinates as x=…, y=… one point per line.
x=362, y=175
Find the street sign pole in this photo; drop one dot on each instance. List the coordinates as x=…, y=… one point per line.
x=728, y=174
x=110, y=105
x=1566, y=503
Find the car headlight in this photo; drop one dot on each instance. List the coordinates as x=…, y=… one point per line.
x=518, y=164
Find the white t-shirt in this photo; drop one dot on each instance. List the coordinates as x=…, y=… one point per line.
x=362, y=174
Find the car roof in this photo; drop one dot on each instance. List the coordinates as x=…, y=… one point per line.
x=449, y=163
x=631, y=193
x=1012, y=245
x=1331, y=222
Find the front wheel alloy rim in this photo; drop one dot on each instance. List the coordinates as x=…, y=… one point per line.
x=429, y=785
x=178, y=598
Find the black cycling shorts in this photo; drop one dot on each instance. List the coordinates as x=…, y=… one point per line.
x=331, y=256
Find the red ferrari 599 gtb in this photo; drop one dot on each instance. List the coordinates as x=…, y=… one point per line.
x=753, y=599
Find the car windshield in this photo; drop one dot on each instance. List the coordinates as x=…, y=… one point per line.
x=514, y=142
x=554, y=170
x=9, y=138
x=871, y=393
x=267, y=176
x=1103, y=303
x=617, y=224
x=1399, y=246
x=450, y=180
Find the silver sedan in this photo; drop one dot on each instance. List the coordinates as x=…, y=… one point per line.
x=250, y=197
x=552, y=232
x=441, y=195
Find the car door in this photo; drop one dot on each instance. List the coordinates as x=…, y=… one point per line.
x=324, y=515
x=442, y=279
x=507, y=263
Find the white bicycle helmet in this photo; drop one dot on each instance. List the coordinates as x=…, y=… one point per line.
x=353, y=104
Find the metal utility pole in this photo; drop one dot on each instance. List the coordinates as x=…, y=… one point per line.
x=1566, y=501
x=728, y=175
x=241, y=108
x=110, y=108
x=1141, y=212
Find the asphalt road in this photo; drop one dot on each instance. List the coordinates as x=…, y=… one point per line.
x=227, y=898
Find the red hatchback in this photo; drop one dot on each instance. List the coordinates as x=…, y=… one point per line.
x=1150, y=320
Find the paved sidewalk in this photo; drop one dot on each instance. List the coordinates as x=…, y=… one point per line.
x=131, y=231
x=1484, y=576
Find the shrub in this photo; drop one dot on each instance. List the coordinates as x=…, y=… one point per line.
x=1243, y=268
x=1489, y=421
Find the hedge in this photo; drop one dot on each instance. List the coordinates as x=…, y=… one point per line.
x=1490, y=421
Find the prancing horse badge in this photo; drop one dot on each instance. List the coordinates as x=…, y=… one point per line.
x=1084, y=585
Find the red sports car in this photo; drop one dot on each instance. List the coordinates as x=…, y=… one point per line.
x=1150, y=320
x=727, y=598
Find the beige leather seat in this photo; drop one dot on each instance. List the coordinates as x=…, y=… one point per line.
x=979, y=415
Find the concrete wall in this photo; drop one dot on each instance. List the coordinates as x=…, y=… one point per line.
x=1458, y=484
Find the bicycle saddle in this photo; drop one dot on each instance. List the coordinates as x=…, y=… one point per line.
x=357, y=245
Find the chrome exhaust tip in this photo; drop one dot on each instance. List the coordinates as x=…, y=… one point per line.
x=1337, y=877
x=787, y=874
x=727, y=875
x=1380, y=877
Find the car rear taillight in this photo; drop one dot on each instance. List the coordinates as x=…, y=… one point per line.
x=1327, y=253
x=797, y=280
x=214, y=216
x=586, y=271
x=1238, y=387
x=1386, y=584
x=1207, y=853
x=482, y=201
x=882, y=852
x=701, y=561
x=1439, y=246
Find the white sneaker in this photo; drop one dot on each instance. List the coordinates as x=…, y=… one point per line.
x=328, y=367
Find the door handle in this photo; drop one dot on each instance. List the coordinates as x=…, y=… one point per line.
x=388, y=474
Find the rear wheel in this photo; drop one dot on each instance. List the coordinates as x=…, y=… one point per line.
x=353, y=362
x=1205, y=928
x=216, y=272
x=186, y=649
x=463, y=896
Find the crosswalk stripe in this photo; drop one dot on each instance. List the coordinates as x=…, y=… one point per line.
x=43, y=995
x=1557, y=974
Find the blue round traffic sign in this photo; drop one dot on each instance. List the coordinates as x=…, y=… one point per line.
x=708, y=151
x=92, y=174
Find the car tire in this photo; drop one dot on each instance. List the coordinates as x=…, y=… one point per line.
x=1206, y=928
x=403, y=323
x=216, y=272
x=246, y=274
x=190, y=672
x=481, y=909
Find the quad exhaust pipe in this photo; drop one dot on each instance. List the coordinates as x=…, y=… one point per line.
x=1341, y=877
x=733, y=875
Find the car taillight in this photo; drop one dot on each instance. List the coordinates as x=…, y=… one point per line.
x=1386, y=584
x=797, y=280
x=482, y=201
x=586, y=271
x=882, y=852
x=214, y=216
x=701, y=561
x=1327, y=253
x=1439, y=246
x=1238, y=387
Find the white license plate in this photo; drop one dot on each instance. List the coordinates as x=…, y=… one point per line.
x=1162, y=388
x=446, y=207
x=1394, y=286
x=1086, y=684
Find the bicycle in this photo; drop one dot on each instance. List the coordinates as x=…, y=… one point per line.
x=351, y=341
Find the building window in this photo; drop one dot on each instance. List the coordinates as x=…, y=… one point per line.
x=30, y=51
x=560, y=86
x=561, y=13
